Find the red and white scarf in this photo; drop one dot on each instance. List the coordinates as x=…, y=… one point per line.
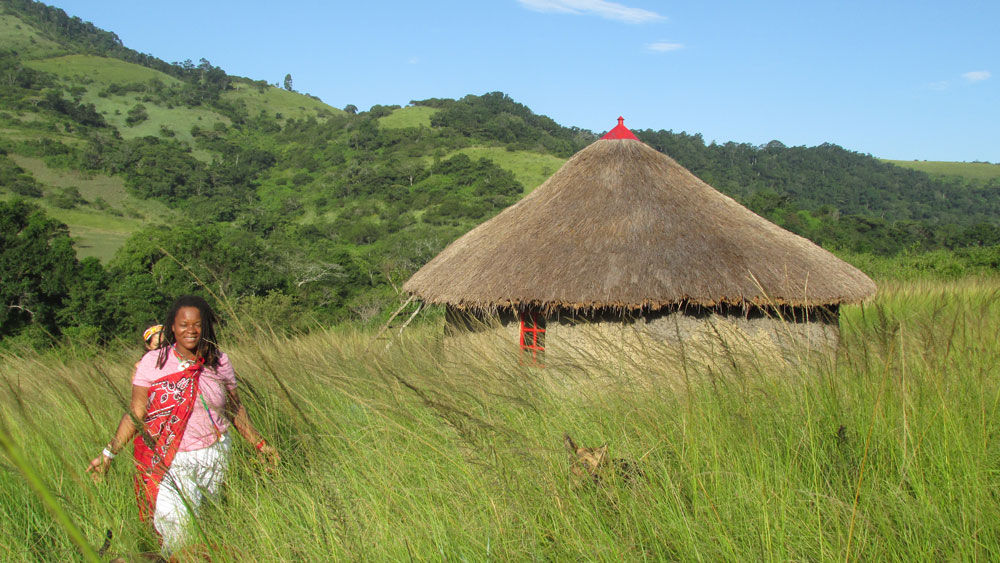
x=169, y=406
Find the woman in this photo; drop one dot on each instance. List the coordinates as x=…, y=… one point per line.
x=185, y=395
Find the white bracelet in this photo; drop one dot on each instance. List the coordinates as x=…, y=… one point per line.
x=107, y=453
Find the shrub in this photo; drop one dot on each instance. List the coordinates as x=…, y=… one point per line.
x=136, y=115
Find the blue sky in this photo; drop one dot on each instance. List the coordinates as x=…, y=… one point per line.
x=902, y=80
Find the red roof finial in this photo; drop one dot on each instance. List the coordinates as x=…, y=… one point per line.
x=620, y=132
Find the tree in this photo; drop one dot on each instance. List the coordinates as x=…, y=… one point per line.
x=157, y=264
x=38, y=264
x=351, y=109
x=161, y=169
x=288, y=83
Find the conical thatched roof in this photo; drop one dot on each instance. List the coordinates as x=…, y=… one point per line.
x=622, y=225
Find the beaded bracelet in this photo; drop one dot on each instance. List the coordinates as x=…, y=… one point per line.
x=107, y=453
x=260, y=444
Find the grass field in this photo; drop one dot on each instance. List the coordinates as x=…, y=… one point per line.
x=411, y=116
x=93, y=186
x=26, y=134
x=968, y=170
x=97, y=243
x=101, y=70
x=530, y=168
x=99, y=233
x=179, y=120
x=21, y=37
x=885, y=451
x=278, y=101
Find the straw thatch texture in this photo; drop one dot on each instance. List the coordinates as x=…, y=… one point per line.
x=621, y=225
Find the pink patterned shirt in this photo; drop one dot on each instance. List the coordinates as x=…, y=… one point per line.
x=212, y=387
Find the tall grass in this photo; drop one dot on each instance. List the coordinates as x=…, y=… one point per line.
x=886, y=450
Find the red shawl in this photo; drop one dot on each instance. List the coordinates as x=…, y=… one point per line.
x=168, y=408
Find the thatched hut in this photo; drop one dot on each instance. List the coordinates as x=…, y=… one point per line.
x=622, y=241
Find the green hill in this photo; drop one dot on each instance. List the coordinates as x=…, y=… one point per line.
x=90, y=69
x=411, y=116
x=979, y=171
x=179, y=176
x=113, y=87
x=530, y=168
x=25, y=39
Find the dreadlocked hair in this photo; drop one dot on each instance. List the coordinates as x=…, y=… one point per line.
x=208, y=346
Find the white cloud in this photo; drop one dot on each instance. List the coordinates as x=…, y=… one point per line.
x=977, y=75
x=942, y=85
x=413, y=60
x=664, y=46
x=602, y=8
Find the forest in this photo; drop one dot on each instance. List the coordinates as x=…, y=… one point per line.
x=301, y=213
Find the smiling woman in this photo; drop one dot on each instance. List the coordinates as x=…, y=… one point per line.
x=185, y=394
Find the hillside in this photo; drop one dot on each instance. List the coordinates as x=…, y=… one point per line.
x=179, y=175
x=972, y=171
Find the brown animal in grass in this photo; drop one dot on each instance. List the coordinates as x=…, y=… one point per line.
x=595, y=465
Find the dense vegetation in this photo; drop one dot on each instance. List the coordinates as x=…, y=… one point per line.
x=303, y=212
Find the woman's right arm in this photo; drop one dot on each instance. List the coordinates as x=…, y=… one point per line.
x=130, y=423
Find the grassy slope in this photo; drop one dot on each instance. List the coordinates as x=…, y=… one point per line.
x=100, y=70
x=21, y=37
x=886, y=454
x=530, y=168
x=278, y=101
x=98, y=233
x=115, y=109
x=968, y=170
x=91, y=242
x=412, y=116
x=180, y=120
x=27, y=133
x=111, y=189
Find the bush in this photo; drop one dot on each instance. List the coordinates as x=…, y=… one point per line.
x=67, y=198
x=136, y=115
x=275, y=311
x=26, y=188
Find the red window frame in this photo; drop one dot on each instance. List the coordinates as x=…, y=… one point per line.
x=532, y=336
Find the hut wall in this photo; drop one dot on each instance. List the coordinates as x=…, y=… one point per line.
x=784, y=328
x=571, y=337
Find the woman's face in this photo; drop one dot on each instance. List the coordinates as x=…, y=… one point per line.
x=187, y=329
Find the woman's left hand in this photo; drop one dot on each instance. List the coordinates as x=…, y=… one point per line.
x=99, y=466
